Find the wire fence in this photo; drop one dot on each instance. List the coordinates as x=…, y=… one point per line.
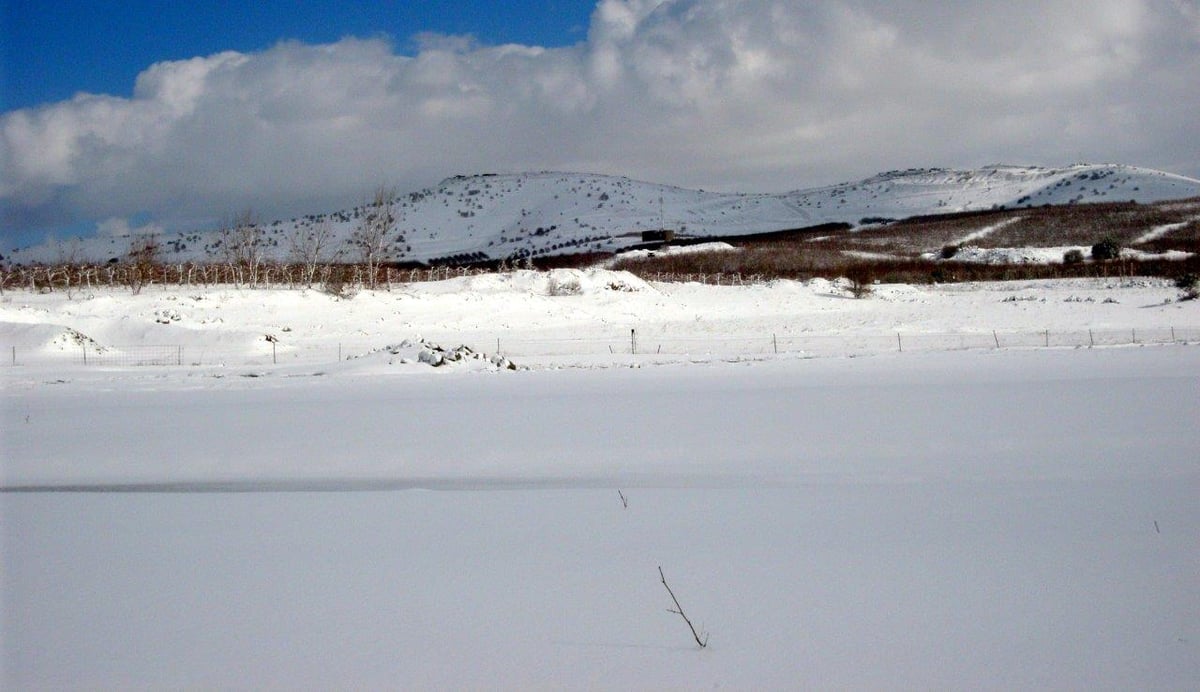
x=634, y=343
x=843, y=344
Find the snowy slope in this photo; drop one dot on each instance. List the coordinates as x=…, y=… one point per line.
x=511, y=216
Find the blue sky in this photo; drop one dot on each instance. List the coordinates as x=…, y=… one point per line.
x=172, y=116
x=53, y=49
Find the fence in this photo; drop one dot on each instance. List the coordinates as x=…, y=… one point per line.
x=847, y=344
x=82, y=277
x=127, y=356
x=634, y=343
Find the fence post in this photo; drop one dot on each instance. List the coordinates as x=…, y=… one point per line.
x=1091, y=339
x=1135, y=336
x=899, y=343
x=1172, y=341
x=84, y=354
x=775, y=344
x=15, y=348
x=633, y=341
x=179, y=355
x=996, y=338
x=1047, y=338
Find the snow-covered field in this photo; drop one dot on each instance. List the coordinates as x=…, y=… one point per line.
x=570, y=317
x=1001, y=518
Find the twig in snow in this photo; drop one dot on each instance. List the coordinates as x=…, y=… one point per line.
x=624, y=501
x=1156, y=527
x=679, y=611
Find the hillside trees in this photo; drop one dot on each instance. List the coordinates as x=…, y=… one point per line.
x=370, y=237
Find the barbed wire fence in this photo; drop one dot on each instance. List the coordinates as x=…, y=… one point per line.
x=632, y=344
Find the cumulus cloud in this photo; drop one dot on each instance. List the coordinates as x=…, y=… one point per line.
x=116, y=227
x=720, y=94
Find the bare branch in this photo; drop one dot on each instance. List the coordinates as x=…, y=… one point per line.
x=679, y=611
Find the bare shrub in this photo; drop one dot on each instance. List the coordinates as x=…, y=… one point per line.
x=1189, y=286
x=1106, y=249
x=338, y=281
x=142, y=260
x=861, y=279
x=569, y=286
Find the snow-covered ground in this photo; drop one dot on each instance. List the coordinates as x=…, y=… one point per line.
x=578, y=317
x=1001, y=518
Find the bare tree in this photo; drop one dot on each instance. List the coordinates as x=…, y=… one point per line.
x=143, y=258
x=370, y=238
x=242, y=242
x=310, y=246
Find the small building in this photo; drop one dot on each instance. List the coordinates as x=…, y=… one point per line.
x=661, y=235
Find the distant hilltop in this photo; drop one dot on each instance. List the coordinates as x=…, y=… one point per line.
x=494, y=217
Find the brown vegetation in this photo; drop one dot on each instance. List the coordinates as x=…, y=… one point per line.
x=910, y=251
x=918, y=250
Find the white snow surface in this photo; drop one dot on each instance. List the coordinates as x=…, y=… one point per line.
x=1160, y=231
x=952, y=515
x=517, y=215
x=1050, y=254
x=986, y=231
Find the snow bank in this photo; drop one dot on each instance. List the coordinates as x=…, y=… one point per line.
x=556, y=282
x=669, y=250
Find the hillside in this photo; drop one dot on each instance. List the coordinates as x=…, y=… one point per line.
x=496, y=217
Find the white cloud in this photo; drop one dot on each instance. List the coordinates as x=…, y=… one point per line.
x=754, y=94
x=116, y=227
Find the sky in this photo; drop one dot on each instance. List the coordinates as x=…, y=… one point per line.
x=176, y=115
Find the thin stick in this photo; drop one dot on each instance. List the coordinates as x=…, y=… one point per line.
x=679, y=611
x=624, y=501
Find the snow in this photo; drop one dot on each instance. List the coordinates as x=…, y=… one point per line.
x=566, y=317
x=518, y=215
x=1014, y=517
x=1052, y=254
x=986, y=231
x=697, y=248
x=1160, y=231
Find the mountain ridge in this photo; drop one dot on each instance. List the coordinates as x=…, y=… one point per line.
x=512, y=216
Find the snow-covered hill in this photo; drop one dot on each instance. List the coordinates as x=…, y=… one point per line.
x=512, y=216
